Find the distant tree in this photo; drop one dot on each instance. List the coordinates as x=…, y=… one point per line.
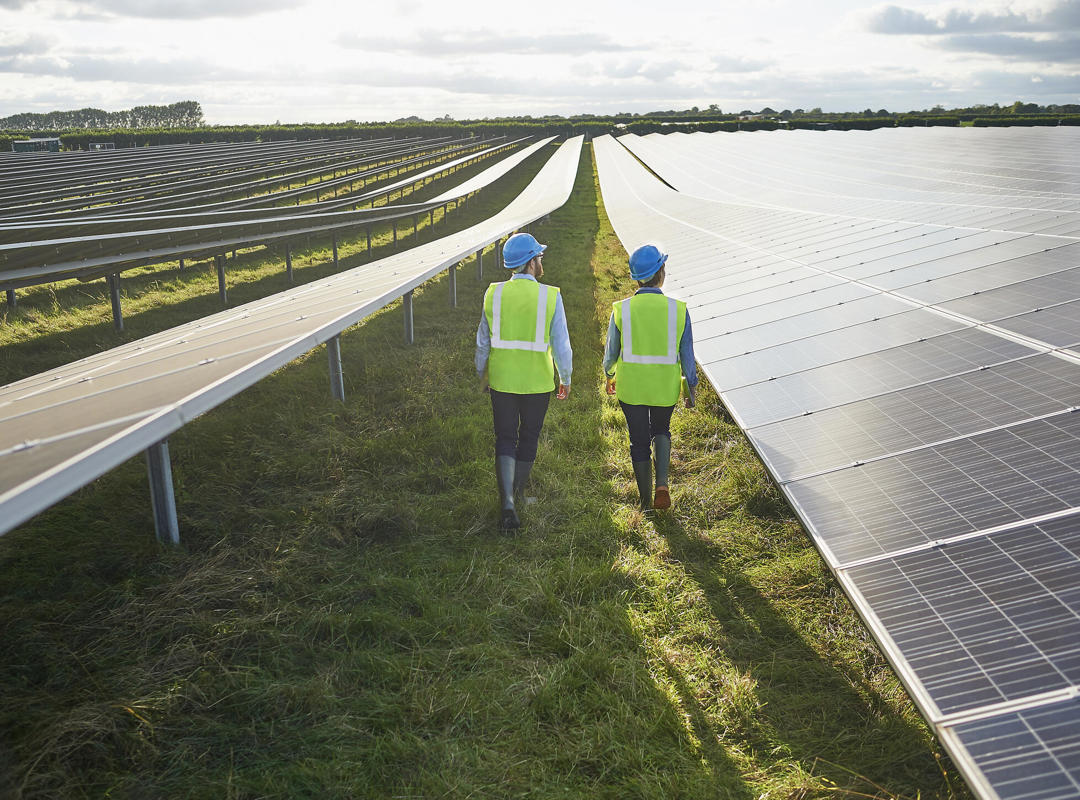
x=786, y=114
x=767, y=111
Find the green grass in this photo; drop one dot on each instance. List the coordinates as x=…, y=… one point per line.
x=344, y=620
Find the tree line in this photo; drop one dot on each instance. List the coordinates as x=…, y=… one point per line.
x=185, y=114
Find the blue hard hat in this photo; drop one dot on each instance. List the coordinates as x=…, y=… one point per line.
x=520, y=249
x=646, y=261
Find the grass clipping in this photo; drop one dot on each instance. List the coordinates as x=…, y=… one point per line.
x=346, y=621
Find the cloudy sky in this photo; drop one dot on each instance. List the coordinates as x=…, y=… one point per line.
x=324, y=60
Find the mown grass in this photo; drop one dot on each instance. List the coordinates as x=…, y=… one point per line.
x=344, y=619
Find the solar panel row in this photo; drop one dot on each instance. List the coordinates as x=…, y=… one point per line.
x=63, y=428
x=892, y=318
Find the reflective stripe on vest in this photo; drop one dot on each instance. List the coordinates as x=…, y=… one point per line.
x=672, y=356
x=538, y=343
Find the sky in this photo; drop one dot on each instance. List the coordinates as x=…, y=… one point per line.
x=262, y=61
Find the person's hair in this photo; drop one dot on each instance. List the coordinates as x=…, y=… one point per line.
x=651, y=282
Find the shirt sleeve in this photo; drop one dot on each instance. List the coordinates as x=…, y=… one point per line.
x=483, y=345
x=686, y=354
x=560, y=342
x=613, y=348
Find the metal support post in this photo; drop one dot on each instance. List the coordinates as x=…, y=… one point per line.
x=162, y=499
x=221, y=279
x=181, y=265
x=453, y=285
x=367, y=230
x=11, y=301
x=480, y=264
x=416, y=226
x=288, y=265
x=406, y=305
x=498, y=254
x=333, y=240
x=337, y=376
x=114, y=294
x=393, y=224
x=431, y=217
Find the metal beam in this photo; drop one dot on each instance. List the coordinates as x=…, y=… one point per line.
x=113, y=280
x=337, y=375
x=162, y=499
x=220, y=260
x=407, y=307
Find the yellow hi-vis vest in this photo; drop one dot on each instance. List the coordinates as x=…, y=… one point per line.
x=519, y=315
x=651, y=327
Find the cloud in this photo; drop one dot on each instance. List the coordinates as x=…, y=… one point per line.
x=453, y=43
x=737, y=64
x=894, y=20
x=1051, y=50
x=159, y=9
x=23, y=45
x=85, y=68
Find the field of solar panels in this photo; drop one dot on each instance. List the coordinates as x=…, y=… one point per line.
x=867, y=586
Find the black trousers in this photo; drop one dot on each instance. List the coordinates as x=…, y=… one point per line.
x=645, y=422
x=518, y=421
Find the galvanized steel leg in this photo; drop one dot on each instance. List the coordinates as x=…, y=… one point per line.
x=334, y=241
x=162, y=499
x=114, y=295
x=480, y=264
x=368, y=231
x=406, y=305
x=288, y=265
x=337, y=376
x=453, y=285
x=498, y=255
x=181, y=265
x=11, y=301
x=394, y=226
x=221, y=279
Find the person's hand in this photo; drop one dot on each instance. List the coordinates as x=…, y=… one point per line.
x=563, y=393
x=611, y=386
x=690, y=399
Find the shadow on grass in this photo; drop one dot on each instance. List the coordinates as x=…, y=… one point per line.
x=804, y=702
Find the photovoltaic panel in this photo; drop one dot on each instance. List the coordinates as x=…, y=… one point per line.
x=872, y=374
x=1032, y=754
x=987, y=620
x=959, y=405
x=1057, y=325
x=925, y=432
x=991, y=276
x=903, y=501
x=63, y=428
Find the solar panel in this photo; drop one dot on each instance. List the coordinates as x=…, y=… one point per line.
x=892, y=331
x=63, y=428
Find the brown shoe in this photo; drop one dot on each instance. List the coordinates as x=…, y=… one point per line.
x=662, y=499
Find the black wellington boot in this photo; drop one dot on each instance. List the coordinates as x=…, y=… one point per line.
x=643, y=474
x=504, y=472
x=521, y=477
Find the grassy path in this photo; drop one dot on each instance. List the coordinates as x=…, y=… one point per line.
x=345, y=621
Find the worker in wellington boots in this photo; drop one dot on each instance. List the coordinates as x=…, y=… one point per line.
x=650, y=346
x=521, y=341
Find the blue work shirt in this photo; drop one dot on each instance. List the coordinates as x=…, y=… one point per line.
x=686, y=345
x=559, y=337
